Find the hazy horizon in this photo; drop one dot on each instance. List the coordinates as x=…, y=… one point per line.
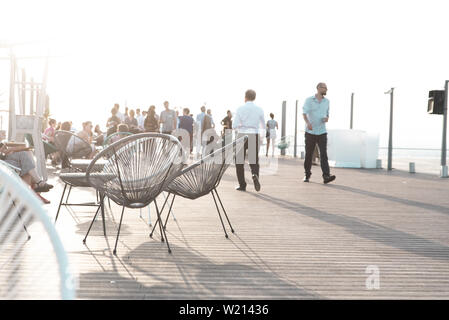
x=207, y=51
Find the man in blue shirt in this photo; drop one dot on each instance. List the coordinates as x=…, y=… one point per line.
x=249, y=121
x=316, y=114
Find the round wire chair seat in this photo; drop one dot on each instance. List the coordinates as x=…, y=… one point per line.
x=141, y=165
x=204, y=175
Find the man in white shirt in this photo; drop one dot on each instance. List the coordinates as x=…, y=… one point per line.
x=120, y=115
x=249, y=121
x=168, y=119
x=140, y=119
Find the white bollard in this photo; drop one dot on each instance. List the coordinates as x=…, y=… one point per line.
x=411, y=167
x=443, y=172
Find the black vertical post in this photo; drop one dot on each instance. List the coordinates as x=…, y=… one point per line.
x=296, y=129
x=390, y=136
x=444, y=173
x=284, y=117
x=352, y=110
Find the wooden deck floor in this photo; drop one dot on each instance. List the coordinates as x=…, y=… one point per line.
x=293, y=240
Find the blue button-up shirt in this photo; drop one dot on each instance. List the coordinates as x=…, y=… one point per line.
x=316, y=111
x=249, y=118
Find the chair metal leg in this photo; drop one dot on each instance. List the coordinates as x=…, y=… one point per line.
x=169, y=210
x=229, y=222
x=109, y=202
x=68, y=194
x=157, y=221
x=102, y=213
x=60, y=202
x=93, y=220
x=162, y=229
x=226, y=234
x=118, y=232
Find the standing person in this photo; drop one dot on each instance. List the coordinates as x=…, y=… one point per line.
x=131, y=122
x=227, y=128
x=199, y=121
x=126, y=115
x=151, y=123
x=112, y=122
x=140, y=119
x=186, y=123
x=227, y=122
x=316, y=114
x=208, y=134
x=272, y=125
x=209, y=114
x=168, y=119
x=249, y=119
x=120, y=115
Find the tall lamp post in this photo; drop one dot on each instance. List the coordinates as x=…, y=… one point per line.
x=390, y=135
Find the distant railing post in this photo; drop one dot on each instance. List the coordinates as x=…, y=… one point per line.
x=352, y=110
x=390, y=135
x=296, y=129
x=284, y=117
x=443, y=172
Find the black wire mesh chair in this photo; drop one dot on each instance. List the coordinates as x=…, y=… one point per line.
x=142, y=165
x=203, y=177
x=71, y=147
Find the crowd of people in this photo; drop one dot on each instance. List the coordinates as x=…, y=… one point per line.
x=248, y=121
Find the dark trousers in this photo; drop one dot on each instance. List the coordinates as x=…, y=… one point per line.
x=311, y=141
x=252, y=145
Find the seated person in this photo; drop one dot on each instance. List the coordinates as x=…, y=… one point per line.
x=77, y=148
x=112, y=122
x=49, y=136
x=22, y=158
x=121, y=128
x=99, y=136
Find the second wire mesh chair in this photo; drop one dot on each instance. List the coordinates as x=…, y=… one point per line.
x=203, y=177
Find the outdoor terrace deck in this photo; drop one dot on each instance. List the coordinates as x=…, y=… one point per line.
x=293, y=240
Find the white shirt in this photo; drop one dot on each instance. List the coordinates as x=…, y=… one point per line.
x=249, y=118
x=121, y=116
x=140, y=121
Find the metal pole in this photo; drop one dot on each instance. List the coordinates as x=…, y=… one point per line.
x=296, y=129
x=390, y=137
x=284, y=117
x=352, y=110
x=32, y=97
x=444, y=173
x=12, y=107
x=23, y=92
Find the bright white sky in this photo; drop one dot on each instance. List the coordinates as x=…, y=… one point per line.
x=191, y=52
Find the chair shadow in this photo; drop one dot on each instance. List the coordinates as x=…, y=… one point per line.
x=413, y=203
x=197, y=278
x=368, y=230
